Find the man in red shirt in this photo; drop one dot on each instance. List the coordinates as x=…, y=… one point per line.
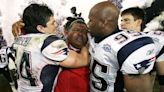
x=74, y=80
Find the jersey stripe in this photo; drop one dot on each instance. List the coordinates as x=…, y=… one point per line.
x=48, y=76
x=49, y=40
x=129, y=48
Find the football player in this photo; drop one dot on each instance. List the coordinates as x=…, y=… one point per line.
x=39, y=53
x=133, y=53
x=133, y=19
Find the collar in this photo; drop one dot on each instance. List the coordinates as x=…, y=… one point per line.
x=99, y=39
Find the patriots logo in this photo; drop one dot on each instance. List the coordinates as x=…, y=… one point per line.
x=63, y=51
x=143, y=65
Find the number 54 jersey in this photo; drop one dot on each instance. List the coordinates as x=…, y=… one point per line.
x=127, y=51
x=37, y=58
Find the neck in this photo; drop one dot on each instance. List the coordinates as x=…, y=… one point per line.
x=138, y=29
x=98, y=39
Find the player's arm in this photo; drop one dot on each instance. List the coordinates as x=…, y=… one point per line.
x=139, y=83
x=137, y=69
x=75, y=60
x=56, y=49
x=159, y=36
x=160, y=70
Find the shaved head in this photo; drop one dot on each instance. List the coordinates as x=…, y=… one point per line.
x=103, y=19
x=105, y=10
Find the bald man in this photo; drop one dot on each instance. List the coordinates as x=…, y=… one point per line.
x=112, y=51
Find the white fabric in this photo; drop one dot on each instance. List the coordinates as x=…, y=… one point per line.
x=55, y=51
x=104, y=62
x=158, y=37
x=30, y=45
x=4, y=51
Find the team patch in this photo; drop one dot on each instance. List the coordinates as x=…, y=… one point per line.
x=107, y=47
x=141, y=66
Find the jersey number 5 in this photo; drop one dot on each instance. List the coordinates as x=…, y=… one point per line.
x=103, y=83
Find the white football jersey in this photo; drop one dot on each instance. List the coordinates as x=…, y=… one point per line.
x=131, y=52
x=37, y=58
x=4, y=59
x=158, y=37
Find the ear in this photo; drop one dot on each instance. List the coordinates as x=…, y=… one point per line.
x=139, y=22
x=40, y=28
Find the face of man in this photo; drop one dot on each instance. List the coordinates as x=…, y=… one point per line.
x=94, y=24
x=50, y=26
x=128, y=22
x=78, y=34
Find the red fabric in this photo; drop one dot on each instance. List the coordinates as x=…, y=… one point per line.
x=73, y=80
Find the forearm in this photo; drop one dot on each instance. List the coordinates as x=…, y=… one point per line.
x=138, y=83
x=162, y=88
x=160, y=72
x=83, y=57
x=160, y=68
x=76, y=60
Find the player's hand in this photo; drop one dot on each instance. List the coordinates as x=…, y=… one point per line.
x=17, y=28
